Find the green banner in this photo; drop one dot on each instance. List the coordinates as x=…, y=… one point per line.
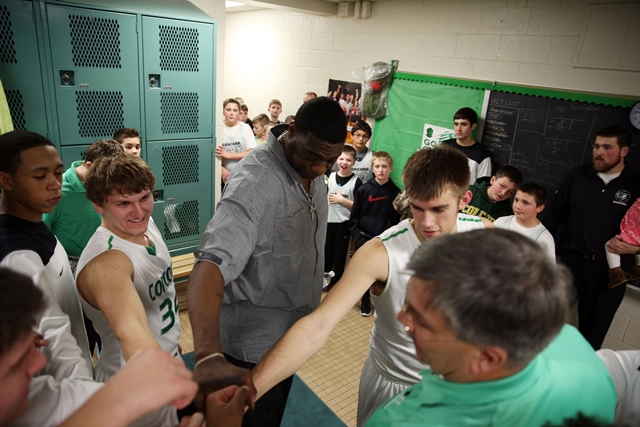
x=412, y=105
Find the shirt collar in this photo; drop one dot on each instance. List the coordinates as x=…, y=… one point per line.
x=435, y=390
x=278, y=150
x=72, y=178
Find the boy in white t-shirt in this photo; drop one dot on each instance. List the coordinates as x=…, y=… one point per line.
x=237, y=139
x=528, y=202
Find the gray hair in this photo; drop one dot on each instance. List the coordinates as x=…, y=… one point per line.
x=496, y=288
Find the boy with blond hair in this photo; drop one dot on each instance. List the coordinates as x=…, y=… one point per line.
x=275, y=108
x=529, y=201
x=260, y=124
x=237, y=139
x=372, y=211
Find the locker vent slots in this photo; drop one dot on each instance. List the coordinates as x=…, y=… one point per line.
x=181, y=220
x=16, y=108
x=178, y=48
x=179, y=112
x=180, y=164
x=100, y=113
x=95, y=42
x=7, y=45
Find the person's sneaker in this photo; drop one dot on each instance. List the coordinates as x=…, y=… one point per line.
x=365, y=308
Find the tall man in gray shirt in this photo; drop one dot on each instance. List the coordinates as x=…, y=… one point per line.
x=259, y=266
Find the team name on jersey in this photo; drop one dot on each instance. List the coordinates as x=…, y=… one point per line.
x=162, y=285
x=472, y=210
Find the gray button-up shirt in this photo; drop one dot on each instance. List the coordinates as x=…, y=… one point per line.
x=269, y=250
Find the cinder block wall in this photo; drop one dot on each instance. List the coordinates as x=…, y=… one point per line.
x=274, y=54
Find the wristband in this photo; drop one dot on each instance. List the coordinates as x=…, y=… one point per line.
x=207, y=358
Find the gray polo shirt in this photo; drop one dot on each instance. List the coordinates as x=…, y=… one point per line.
x=269, y=250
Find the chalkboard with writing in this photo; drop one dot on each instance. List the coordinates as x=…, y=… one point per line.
x=546, y=137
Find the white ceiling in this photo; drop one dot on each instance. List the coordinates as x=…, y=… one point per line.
x=310, y=6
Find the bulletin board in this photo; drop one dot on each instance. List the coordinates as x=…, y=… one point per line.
x=543, y=132
x=412, y=103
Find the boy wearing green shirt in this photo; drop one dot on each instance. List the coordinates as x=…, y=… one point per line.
x=491, y=196
x=73, y=221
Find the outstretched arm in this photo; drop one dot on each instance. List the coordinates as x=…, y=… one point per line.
x=308, y=335
x=150, y=380
x=106, y=283
x=204, y=301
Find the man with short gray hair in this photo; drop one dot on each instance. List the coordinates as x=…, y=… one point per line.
x=492, y=330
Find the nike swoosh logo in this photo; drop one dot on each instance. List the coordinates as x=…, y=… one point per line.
x=375, y=199
x=61, y=270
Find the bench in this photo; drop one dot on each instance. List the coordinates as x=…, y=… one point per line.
x=182, y=266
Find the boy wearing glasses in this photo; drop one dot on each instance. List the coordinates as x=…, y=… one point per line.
x=361, y=134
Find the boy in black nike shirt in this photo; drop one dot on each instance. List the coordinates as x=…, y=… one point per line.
x=372, y=211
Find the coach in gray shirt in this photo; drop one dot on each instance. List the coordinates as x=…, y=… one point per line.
x=259, y=266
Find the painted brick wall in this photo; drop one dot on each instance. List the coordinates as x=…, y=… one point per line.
x=274, y=54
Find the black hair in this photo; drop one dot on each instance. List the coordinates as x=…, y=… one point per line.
x=622, y=135
x=537, y=191
x=324, y=118
x=363, y=126
x=13, y=143
x=511, y=173
x=468, y=114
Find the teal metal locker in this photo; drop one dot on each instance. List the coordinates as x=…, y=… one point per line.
x=183, y=189
x=177, y=66
x=95, y=72
x=78, y=70
x=20, y=66
x=72, y=153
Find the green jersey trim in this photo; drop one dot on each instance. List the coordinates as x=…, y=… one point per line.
x=110, y=243
x=396, y=234
x=151, y=250
x=470, y=219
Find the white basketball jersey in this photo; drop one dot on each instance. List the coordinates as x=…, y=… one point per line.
x=392, y=350
x=338, y=212
x=153, y=280
x=362, y=168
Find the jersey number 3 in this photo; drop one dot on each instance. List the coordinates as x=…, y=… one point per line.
x=169, y=311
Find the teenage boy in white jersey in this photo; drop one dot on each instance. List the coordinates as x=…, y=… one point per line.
x=528, y=202
x=436, y=181
x=124, y=275
x=30, y=177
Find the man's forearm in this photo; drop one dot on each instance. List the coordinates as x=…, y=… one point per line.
x=204, y=300
x=294, y=349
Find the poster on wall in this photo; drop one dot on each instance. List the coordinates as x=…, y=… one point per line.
x=348, y=95
x=433, y=135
